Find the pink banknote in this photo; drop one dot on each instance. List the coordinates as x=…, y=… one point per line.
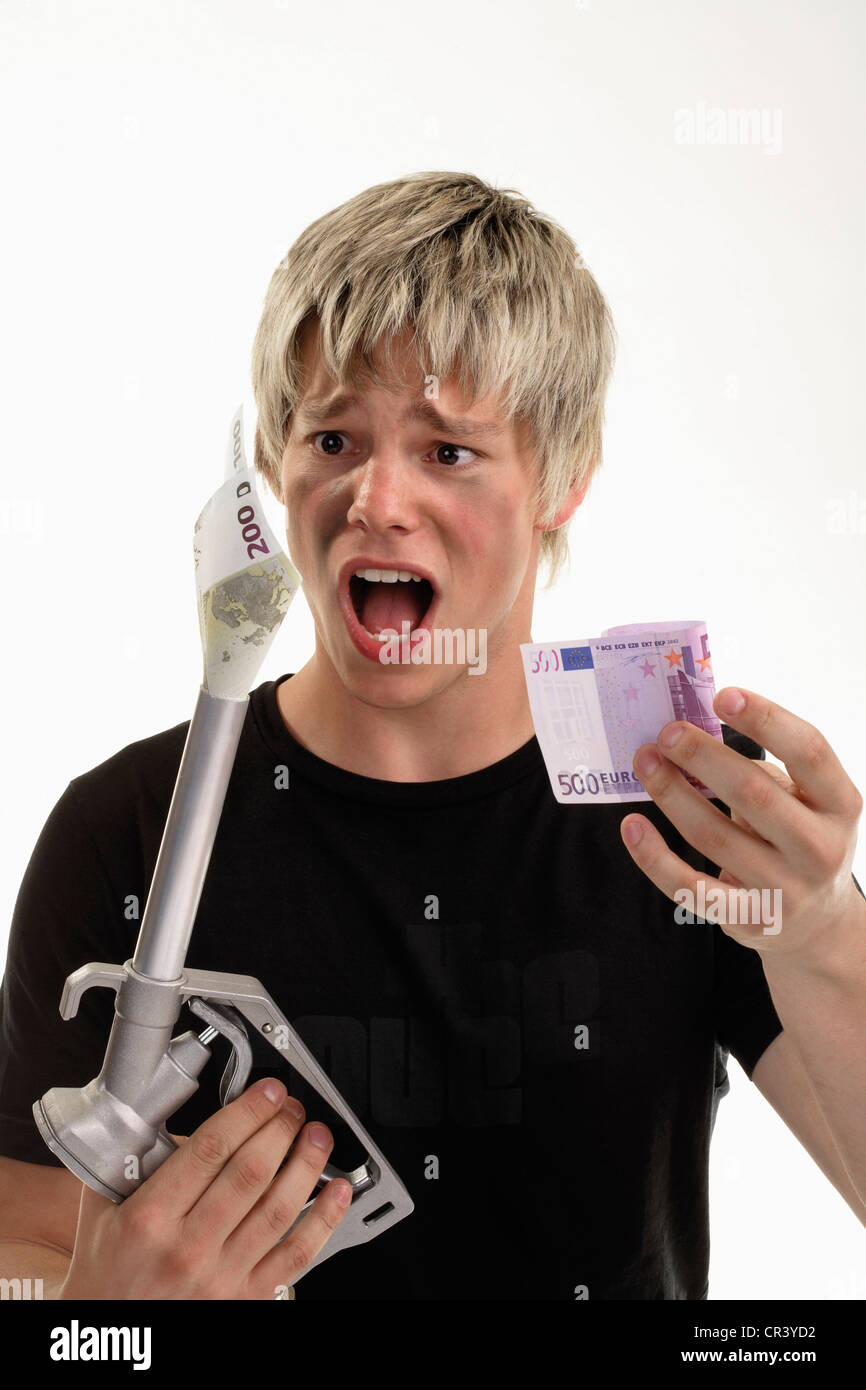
x=597, y=700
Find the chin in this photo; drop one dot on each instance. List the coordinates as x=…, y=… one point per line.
x=396, y=687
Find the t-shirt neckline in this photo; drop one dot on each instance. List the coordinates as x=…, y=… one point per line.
x=471, y=786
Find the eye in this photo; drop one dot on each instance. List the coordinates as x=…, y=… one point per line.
x=330, y=434
x=459, y=448
x=329, y=437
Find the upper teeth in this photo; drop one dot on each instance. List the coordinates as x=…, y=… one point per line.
x=386, y=576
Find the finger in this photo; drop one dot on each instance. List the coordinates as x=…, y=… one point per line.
x=738, y=781
x=245, y=1177
x=179, y=1182
x=706, y=827
x=91, y=1205
x=285, y=1264
x=725, y=877
x=777, y=775
x=681, y=883
x=780, y=777
x=803, y=749
x=651, y=854
x=280, y=1205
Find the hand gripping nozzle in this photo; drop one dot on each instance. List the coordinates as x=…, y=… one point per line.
x=111, y=1133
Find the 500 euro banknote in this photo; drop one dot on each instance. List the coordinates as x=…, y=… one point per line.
x=597, y=700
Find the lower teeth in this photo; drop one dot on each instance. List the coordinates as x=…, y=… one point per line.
x=386, y=637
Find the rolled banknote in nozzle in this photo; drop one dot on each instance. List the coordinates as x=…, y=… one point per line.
x=245, y=580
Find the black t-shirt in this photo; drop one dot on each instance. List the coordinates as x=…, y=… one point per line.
x=501, y=996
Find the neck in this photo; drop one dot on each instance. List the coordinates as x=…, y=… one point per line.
x=474, y=721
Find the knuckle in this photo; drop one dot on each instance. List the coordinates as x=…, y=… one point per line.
x=300, y=1253
x=143, y=1227
x=717, y=839
x=223, y=1287
x=210, y=1149
x=313, y=1159
x=688, y=744
x=317, y=1156
x=814, y=749
x=759, y=791
x=183, y=1260
x=825, y=852
x=288, y=1123
x=257, y=1105
x=250, y=1173
x=662, y=780
x=837, y=855
x=330, y=1210
x=764, y=717
x=279, y=1216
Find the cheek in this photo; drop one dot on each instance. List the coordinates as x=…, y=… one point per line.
x=302, y=496
x=495, y=529
x=494, y=540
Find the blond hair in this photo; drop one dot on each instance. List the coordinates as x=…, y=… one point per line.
x=498, y=297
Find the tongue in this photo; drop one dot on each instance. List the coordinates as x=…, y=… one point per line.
x=390, y=605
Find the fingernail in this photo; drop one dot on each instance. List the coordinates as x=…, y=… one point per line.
x=732, y=701
x=274, y=1090
x=343, y=1193
x=294, y=1107
x=647, y=763
x=320, y=1137
x=632, y=831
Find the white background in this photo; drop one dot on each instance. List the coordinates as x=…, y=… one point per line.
x=158, y=161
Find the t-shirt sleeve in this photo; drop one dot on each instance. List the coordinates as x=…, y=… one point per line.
x=65, y=915
x=745, y=1018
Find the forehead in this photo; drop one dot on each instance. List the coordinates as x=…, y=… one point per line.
x=322, y=394
x=318, y=380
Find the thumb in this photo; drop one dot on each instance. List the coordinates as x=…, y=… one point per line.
x=94, y=1202
x=91, y=1206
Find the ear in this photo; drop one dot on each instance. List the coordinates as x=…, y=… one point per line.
x=570, y=504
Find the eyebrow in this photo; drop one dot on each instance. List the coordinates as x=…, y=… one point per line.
x=319, y=409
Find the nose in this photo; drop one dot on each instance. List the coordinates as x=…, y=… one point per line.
x=383, y=495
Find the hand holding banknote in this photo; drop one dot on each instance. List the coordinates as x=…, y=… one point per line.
x=609, y=735
x=633, y=716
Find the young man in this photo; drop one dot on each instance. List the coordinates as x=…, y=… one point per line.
x=496, y=983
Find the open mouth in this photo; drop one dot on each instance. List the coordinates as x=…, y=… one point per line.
x=386, y=599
